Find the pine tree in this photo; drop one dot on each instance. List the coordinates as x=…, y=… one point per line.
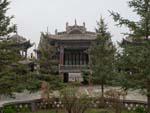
x=6, y=55
x=5, y=26
x=48, y=63
x=139, y=28
x=134, y=61
x=102, y=56
x=48, y=57
x=9, y=54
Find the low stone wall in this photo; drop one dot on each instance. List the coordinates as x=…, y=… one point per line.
x=39, y=104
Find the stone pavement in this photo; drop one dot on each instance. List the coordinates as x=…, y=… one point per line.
x=20, y=97
x=95, y=90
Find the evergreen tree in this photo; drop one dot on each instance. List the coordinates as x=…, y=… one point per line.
x=5, y=27
x=134, y=61
x=9, y=57
x=9, y=54
x=48, y=63
x=102, y=56
x=48, y=60
x=139, y=28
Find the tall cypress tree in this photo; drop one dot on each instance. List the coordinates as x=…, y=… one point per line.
x=48, y=60
x=102, y=56
x=9, y=53
x=134, y=60
x=48, y=63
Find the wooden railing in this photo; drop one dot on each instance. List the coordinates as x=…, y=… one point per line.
x=39, y=104
x=72, y=68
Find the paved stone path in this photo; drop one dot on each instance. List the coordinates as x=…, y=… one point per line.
x=132, y=95
x=20, y=97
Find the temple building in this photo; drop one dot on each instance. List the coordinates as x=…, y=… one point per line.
x=72, y=45
x=22, y=43
x=23, y=46
x=19, y=41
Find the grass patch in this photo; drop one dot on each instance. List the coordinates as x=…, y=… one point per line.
x=62, y=111
x=87, y=111
x=48, y=111
x=99, y=111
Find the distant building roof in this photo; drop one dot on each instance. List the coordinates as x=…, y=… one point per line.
x=130, y=40
x=73, y=37
x=21, y=41
x=17, y=38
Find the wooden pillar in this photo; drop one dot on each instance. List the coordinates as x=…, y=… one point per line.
x=72, y=58
x=75, y=58
x=87, y=59
x=61, y=56
x=61, y=61
x=90, y=68
x=81, y=58
x=84, y=59
x=66, y=59
x=26, y=54
x=69, y=58
x=148, y=95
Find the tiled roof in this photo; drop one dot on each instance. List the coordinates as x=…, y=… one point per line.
x=73, y=37
x=75, y=32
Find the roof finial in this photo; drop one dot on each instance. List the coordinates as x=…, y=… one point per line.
x=75, y=22
x=16, y=29
x=47, y=30
x=67, y=24
x=56, y=32
x=83, y=24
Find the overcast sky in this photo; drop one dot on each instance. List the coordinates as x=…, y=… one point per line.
x=34, y=16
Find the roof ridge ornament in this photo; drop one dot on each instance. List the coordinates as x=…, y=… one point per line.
x=84, y=24
x=75, y=29
x=67, y=24
x=75, y=22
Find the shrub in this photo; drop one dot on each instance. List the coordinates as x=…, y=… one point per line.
x=9, y=109
x=140, y=110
